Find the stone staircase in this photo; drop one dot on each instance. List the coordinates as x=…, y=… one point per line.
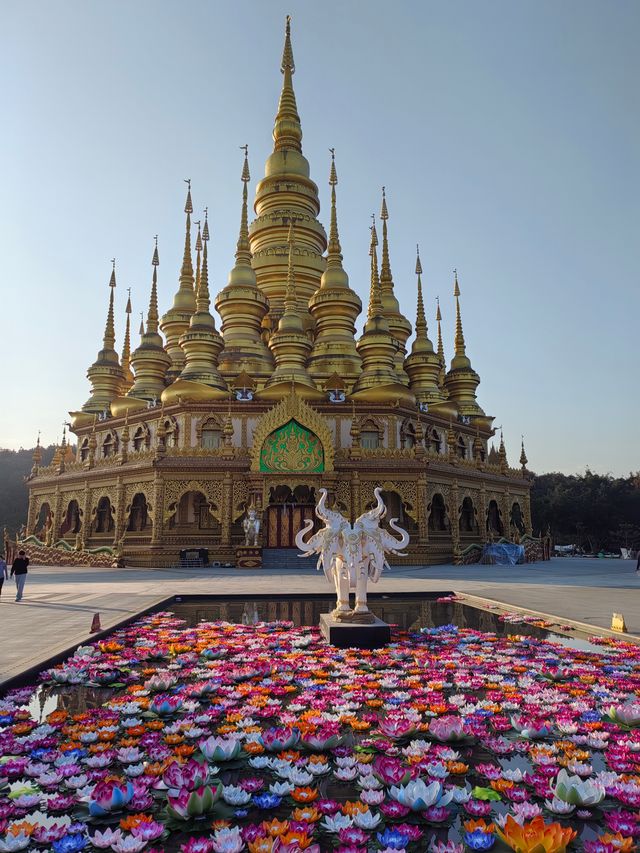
x=286, y=559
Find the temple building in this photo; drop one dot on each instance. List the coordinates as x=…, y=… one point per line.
x=276, y=396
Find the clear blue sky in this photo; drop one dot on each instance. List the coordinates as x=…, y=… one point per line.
x=506, y=133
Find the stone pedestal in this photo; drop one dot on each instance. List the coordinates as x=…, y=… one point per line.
x=346, y=635
x=248, y=557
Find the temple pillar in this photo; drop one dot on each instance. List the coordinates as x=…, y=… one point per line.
x=31, y=513
x=158, y=510
x=118, y=530
x=355, y=495
x=455, y=520
x=85, y=527
x=57, y=516
x=528, y=527
x=227, y=500
x=483, y=513
x=423, y=520
x=506, y=504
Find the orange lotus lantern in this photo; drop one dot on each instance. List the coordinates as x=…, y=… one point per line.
x=536, y=836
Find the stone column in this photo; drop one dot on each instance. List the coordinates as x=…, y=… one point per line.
x=506, y=504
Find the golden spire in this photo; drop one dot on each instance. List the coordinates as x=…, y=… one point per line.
x=243, y=307
x=201, y=344
x=176, y=320
x=502, y=453
x=198, y=256
x=149, y=360
x=109, y=339
x=287, y=131
x=290, y=344
x=459, y=338
x=37, y=456
x=378, y=381
x=141, y=327
x=105, y=374
x=462, y=381
x=523, y=456
x=439, y=322
x=126, y=348
x=422, y=364
x=375, y=302
x=399, y=326
x=335, y=308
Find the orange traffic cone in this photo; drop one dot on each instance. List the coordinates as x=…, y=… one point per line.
x=95, y=623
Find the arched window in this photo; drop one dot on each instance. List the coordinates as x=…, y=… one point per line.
x=171, y=433
x=141, y=439
x=370, y=437
x=104, y=517
x=138, y=514
x=110, y=445
x=517, y=519
x=71, y=521
x=210, y=437
x=438, y=514
x=461, y=448
x=494, y=522
x=408, y=435
x=43, y=522
x=467, y=516
x=84, y=450
x=435, y=441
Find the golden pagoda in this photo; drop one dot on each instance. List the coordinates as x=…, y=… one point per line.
x=278, y=398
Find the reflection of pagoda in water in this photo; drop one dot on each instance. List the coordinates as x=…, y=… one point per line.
x=278, y=396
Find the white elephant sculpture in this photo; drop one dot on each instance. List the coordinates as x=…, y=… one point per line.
x=351, y=554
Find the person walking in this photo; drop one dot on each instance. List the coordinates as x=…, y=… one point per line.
x=638, y=563
x=4, y=572
x=19, y=569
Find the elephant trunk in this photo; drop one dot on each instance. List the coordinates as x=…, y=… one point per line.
x=320, y=508
x=379, y=510
x=308, y=525
x=404, y=536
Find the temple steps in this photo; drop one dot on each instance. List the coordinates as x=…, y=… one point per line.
x=286, y=559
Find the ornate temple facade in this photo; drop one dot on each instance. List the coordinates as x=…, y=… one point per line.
x=277, y=398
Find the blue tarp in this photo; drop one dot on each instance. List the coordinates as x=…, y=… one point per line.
x=504, y=555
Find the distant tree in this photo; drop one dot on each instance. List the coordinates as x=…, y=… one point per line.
x=15, y=465
x=595, y=511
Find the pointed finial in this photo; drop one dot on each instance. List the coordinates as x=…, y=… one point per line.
x=375, y=303
x=334, y=249
x=440, y=344
x=141, y=329
x=243, y=247
x=203, y=300
x=287, y=52
x=287, y=131
x=126, y=347
x=421, y=320
x=205, y=228
x=198, y=257
x=152, y=315
x=128, y=308
x=384, y=213
x=523, y=455
x=188, y=206
x=459, y=337
x=109, y=338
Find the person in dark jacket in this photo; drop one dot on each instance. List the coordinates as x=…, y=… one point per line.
x=19, y=569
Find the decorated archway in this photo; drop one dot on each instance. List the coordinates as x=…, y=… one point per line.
x=292, y=448
x=292, y=437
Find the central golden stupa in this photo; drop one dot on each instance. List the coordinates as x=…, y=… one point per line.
x=204, y=418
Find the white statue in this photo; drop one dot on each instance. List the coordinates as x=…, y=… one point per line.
x=251, y=527
x=350, y=554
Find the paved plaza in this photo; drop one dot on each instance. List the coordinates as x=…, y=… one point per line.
x=59, y=603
